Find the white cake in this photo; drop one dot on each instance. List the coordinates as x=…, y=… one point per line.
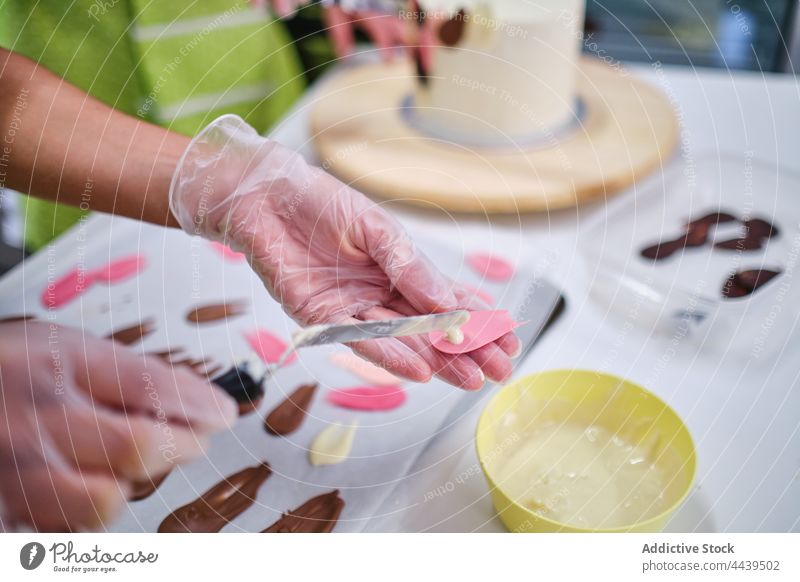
x=506, y=71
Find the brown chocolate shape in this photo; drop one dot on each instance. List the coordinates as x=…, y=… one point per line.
x=317, y=515
x=216, y=507
x=16, y=318
x=697, y=232
x=452, y=31
x=215, y=312
x=144, y=489
x=131, y=335
x=289, y=414
x=249, y=407
x=741, y=244
x=745, y=283
x=757, y=232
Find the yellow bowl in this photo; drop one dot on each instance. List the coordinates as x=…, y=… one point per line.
x=589, y=398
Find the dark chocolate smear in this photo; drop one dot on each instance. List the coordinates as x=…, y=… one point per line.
x=144, y=489
x=740, y=244
x=16, y=318
x=756, y=232
x=215, y=312
x=289, y=414
x=317, y=515
x=696, y=234
x=745, y=283
x=452, y=31
x=242, y=387
x=219, y=505
x=131, y=335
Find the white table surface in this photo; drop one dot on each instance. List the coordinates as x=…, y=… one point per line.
x=744, y=415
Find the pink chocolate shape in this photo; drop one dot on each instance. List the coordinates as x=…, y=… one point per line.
x=371, y=398
x=76, y=282
x=66, y=289
x=492, y=267
x=268, y=346
x=120, y=269
x=227, y=253
x=483, y=328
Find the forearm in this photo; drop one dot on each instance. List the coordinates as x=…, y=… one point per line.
x=60, y=144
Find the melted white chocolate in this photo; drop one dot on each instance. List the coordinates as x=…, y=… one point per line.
x=455, y=335
x=584, y=477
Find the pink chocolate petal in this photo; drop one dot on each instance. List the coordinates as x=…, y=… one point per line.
x=120, y=269
x=365, y=370
x=227, y=253
x=483, y=328
x=492, y=267
x=67, y=288
x=268, y=346
x=373, y=398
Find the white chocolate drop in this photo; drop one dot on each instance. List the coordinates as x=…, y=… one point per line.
x=333, y=444
x=455, y=335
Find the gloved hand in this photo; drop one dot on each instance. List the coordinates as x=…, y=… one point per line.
x=323, y=250
x=81, y=418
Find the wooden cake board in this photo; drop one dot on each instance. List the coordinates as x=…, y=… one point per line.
x=362, y=134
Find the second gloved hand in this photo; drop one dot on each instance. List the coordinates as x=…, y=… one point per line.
x=324, y=251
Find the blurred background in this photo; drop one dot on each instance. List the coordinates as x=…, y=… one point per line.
x=735, y=35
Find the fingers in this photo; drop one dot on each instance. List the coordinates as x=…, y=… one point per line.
x=134, y=447
x=494, y=362
x=340, y=31
x=389, y=353
x=59, y=500
x=395, y=357
x=459, y=370
x=123, y=379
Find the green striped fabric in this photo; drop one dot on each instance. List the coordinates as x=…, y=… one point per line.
x=178, y=63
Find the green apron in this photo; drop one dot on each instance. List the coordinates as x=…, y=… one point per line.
x=179, y=64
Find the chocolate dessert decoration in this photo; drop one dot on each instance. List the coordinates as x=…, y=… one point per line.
x=167, y=354
x=16, y=318
x=697, y=233
x=746, y=283
x=219, y=505
x=215, y=312
x=289, y=414
x=131, y=335
x=452, y=31
x=756, y=232
x=201, y=367
x=144, y=489
x=240, y=384
x=317, y=515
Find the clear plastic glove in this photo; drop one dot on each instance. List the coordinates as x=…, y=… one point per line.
x=83, y=418
x=323, y=250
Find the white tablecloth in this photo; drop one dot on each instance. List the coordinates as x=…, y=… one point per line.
x=744, y=415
